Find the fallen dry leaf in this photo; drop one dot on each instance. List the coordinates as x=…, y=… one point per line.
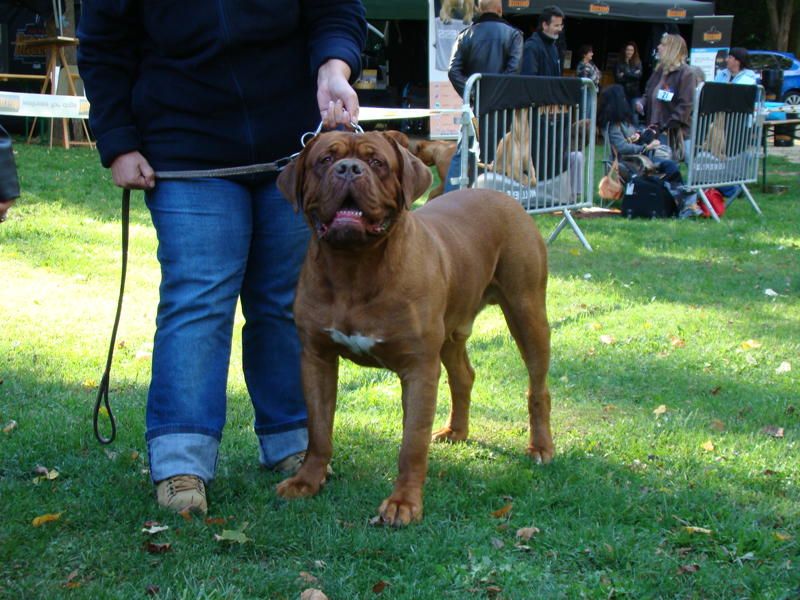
x=53, y=474
x=688, y=568
x=773, y=431
x=380, y=586
x=502, y=512
x=313, y=594
x=784, y=367
x=660, y=410
x=11, y=425
x=708, y=446
x=596, y=326
x=215, y=521
x=186, y=513
x=526, y=533
x=716, y=390
x=153, y=529
x=691, y=529
x=750, y=344
x=608, y=339
x=307, y=577
x=46, y=519
x=676, y=342
x=154, y=548
x=234, y=535
x=717, y=425
x=152, y=590
x=493, y=590
x=781, y=536
x=41, y=470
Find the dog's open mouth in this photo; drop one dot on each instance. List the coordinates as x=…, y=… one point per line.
x=349, y=218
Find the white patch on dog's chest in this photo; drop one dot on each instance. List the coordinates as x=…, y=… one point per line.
x=357, y=344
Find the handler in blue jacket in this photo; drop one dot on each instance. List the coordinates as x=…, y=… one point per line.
x=202, y=85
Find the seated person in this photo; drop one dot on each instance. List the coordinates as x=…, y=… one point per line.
x=616, y=120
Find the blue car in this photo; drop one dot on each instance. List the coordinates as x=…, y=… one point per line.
x=788, y=63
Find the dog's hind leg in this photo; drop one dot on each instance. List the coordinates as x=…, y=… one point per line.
x=527, y=321
x=461, y=376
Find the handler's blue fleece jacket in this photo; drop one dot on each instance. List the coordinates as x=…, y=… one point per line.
x=210, y=83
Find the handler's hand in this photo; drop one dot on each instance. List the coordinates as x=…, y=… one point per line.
x=132, y=172
x=337, y=100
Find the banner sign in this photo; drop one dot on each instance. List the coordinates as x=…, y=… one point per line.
x=443, y=29
x=711, y=41
x=44, y=105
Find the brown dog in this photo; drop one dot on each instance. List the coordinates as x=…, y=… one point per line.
x=433, y=153
x=387, y=287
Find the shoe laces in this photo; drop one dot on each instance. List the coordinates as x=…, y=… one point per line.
x=185, y=483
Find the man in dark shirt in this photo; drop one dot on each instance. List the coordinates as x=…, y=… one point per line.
x=489, y=45
x=540, y=55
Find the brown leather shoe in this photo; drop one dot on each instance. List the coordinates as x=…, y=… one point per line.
x=182, y=492
x=291, y=464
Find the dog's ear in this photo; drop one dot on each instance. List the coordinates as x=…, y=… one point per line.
x=415, y=177
x=398, y=136
x=290, y=181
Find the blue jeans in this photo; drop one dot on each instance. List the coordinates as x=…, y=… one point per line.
x=218, y=241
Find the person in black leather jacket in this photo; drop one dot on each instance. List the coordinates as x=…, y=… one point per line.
x=9, y=183
x=489, y=45
x=540, y=55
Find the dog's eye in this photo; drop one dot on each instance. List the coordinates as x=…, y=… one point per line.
x=326, y=159
x=375, y=162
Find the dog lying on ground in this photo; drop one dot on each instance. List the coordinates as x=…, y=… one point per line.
x=386, y=287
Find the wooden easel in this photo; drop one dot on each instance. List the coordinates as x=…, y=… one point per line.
x=54, y=48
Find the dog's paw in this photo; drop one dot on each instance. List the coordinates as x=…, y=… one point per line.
x=446, y=434
x=399, y=512
x=298, y=487
x=540, y=455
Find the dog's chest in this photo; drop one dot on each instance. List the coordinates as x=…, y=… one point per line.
x=357, y=347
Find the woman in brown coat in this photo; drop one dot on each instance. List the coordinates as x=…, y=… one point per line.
x=669, y=95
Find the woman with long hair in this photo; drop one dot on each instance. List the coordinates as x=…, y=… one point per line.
x=628, y=73
x=669, y=94
x=615, y=119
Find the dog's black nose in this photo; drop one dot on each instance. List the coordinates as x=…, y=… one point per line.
x=348, y=169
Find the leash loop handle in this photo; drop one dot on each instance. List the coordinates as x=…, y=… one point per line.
x=102, y=392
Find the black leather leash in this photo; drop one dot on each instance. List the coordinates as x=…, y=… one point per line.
x=102, y=392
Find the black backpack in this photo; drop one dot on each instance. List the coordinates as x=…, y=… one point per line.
x=649, y=197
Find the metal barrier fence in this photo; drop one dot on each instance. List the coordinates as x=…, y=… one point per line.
x=532, y=138
x=725, y=138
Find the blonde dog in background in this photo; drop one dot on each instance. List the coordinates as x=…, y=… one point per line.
x=513, y=155
x=464, y=7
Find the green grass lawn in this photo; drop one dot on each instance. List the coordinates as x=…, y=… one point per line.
x=676, y=416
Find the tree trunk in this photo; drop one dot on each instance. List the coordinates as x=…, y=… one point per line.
x=781, y=13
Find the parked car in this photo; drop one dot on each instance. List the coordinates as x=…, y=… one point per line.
x=788, y=63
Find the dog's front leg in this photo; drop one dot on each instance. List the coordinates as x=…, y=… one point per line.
x=320, y=376
x=419, y=405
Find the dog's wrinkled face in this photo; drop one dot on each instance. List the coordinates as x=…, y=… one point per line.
x=353, y=186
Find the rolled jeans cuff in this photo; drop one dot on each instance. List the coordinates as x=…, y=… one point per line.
x=183, y=454
x=274, y=447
